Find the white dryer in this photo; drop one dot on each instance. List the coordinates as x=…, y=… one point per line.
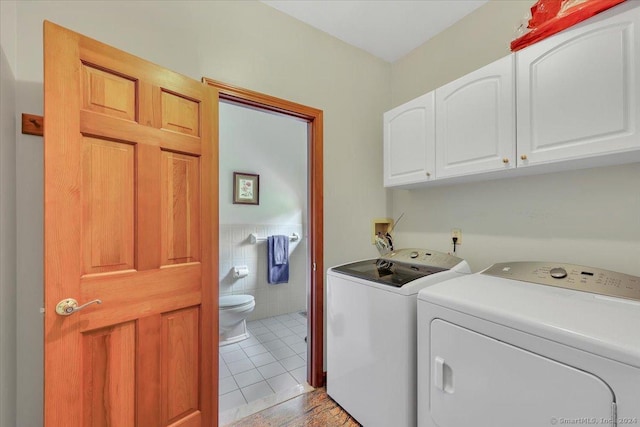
x=530, y=344
x=371, y=332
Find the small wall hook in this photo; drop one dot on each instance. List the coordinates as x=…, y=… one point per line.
x=32, y=124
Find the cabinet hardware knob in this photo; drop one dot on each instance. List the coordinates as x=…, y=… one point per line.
x=505, y=160
x=428, y=173
x=523, y=157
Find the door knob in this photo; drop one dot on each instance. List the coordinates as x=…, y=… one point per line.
x=69, y=306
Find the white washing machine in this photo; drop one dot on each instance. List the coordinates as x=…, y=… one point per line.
x=371, y=332
x=530, y=344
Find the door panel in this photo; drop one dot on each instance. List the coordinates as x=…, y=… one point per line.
x=130, y=188
x=109, y=398
x=179, y=114
x=108, y=93
x=180, y=207
x=180, y=336
x=482, y=382
x=108, y=205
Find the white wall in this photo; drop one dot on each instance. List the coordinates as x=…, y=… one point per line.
x=7, y=245
x=30, y=247
x=272, y=146
x=244, y=43
x=8, y=32
x=476, y=40
x=589, y=217
x=8, y=279
x=275, y=147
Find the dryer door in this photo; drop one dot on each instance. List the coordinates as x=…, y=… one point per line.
x=481, y=382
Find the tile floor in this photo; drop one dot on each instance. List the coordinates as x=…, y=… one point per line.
x=272, y=360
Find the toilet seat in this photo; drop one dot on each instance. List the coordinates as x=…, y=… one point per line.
x=234, y=301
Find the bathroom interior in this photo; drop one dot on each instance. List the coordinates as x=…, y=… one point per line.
x=263, y=326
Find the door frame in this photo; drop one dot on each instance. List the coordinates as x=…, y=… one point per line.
x=313, y=117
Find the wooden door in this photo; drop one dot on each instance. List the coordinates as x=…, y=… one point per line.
x=131, y=218
x=476, y=121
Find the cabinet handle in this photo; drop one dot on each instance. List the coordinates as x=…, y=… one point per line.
x=505, y=160
x=428, y=173
x=523, y=157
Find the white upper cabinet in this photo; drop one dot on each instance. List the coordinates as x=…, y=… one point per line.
x=475, y=121
x=576, y=96
x=578, y=91
x=409, y=142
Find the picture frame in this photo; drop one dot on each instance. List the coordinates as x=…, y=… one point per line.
x=246, y=188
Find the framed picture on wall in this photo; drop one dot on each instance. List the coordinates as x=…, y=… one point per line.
x=246, y=188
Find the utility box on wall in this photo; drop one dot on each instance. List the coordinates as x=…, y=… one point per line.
x=380, y=225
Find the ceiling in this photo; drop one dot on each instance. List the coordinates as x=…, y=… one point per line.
x=388, y=29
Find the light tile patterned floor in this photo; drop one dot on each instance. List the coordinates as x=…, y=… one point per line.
x=272, y=360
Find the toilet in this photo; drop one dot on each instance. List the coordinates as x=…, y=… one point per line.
x=234, y=310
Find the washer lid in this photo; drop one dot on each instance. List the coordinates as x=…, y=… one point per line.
x=403, y=266
x=425, y=257
x=387, y=272
x=230, y=301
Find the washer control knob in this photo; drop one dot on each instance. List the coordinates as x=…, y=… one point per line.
x=558, y=273
x=414, y=254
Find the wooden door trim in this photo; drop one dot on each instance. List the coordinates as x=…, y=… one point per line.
x=315, y=369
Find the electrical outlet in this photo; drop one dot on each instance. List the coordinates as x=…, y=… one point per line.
x=457, y=232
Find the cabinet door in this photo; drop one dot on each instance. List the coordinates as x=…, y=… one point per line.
x=578, y=91
x=475, y=121
x=409, y=142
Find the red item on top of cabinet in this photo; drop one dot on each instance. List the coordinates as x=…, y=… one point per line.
x=549, y=17
x=543, y=11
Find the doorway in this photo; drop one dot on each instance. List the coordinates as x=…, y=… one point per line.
x=277, y=309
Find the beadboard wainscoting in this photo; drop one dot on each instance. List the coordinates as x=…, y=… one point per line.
x=236, y=249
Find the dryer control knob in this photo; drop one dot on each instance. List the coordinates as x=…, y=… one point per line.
x=414, y=254
x=558, y=273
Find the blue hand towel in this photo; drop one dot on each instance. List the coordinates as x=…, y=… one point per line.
x=278, y=259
